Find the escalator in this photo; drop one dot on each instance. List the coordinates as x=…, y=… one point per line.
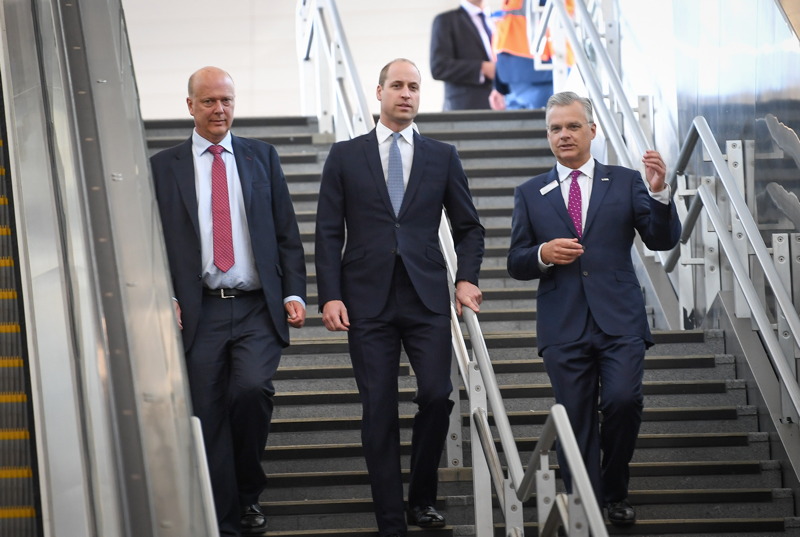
x=96, y=434
x=20, y=511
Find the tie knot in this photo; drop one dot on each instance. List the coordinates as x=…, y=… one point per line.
x=396, y=136
x=575, y=174
x=215, y=149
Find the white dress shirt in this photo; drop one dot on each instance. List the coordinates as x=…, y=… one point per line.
x=405, y=143
x=243, y=274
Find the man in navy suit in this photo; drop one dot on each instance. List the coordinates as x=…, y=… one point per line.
x=239, y=278
x=461, y=56
x=390, y=286
x=573, y=228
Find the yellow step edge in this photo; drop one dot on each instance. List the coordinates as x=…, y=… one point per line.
x=5, y=230
x=17, y=512
x=6, y=261
x=11, y=361
x=3, y=199
x=8, y=294
x=21, y=472
x=13, y=397
x=7, y=328
x=14, y=434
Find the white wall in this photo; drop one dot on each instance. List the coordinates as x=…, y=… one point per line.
x=254, y=40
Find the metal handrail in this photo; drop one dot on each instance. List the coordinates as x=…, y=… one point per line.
x=587, y=70
x=703, y=199
x=325, y=35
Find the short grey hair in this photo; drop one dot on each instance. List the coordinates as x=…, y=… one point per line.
x=566, y=98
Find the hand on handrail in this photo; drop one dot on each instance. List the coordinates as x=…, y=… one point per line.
x=469, y=295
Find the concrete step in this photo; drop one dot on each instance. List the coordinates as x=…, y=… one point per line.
x=713, y=527
x=685, y=475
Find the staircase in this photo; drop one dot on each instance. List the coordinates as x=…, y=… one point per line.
x=702, y=467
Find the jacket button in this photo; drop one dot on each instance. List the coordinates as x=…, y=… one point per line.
x=397, y=224
x=585, y=273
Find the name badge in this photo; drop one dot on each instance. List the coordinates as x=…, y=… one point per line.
x=547, y=188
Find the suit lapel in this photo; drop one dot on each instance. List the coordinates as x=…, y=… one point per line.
x=417, y=170
x=243, y=154
x=373, y=158
x=601, y=182
x=556, y=199
x=466, y=22
x=183, y=171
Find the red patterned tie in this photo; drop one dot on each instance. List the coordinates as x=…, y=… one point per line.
x=574, y=203
x=221, y=212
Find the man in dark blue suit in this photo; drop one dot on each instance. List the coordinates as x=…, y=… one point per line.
x=239, y=278
x=461, y=56
x=381, y=201
x=573, y=229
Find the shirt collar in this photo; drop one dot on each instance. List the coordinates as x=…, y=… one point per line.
x=200, y=145
x=383, y=133
x=472, y=9
x=563, y=172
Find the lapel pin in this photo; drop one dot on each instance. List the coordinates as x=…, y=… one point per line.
x=604, y=179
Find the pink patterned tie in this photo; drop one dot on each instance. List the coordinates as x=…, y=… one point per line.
x=574, y=203
x=221, y=212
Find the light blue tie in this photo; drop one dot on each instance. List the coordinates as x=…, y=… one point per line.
x=395, y=180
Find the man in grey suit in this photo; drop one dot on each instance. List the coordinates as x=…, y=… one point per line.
x=461, y=56
x=239, y=279
x=381, y=200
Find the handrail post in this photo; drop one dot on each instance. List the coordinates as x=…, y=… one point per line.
x=512, y=508
x=782, y=257
x=545, y=487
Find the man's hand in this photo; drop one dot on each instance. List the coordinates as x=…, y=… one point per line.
x=469, y=295
x=561, y=251
x=497, y=101
x=488, y=70
x=655, y=171
x=295, y=313
x=334, y=316
x=178, y=314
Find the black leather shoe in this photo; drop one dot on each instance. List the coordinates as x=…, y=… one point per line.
x=425, y=517
x=621, y=513
x=254, y=522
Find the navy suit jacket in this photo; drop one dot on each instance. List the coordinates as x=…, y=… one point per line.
x=601, y=282
x=457, y=52
x=355, y=214
x=274, y=234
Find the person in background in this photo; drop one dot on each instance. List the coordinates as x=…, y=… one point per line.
x=461, y=55
x=517, y=83
x=239, y=279
x=573, y=229
x=382, y=278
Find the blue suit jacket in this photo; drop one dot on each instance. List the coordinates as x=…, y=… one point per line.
x=602, y=281
x=274, y=234
x=354, y=213
x=456, y=56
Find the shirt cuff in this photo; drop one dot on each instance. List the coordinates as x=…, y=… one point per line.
x=542, y=265
x=294, y=298
x=662, y=196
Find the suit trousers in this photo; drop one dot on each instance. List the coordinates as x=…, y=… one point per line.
x=600, y=372
x=375, y=354
x=230, y=367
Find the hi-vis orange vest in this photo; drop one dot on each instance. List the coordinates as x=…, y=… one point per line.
x=511, y=34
